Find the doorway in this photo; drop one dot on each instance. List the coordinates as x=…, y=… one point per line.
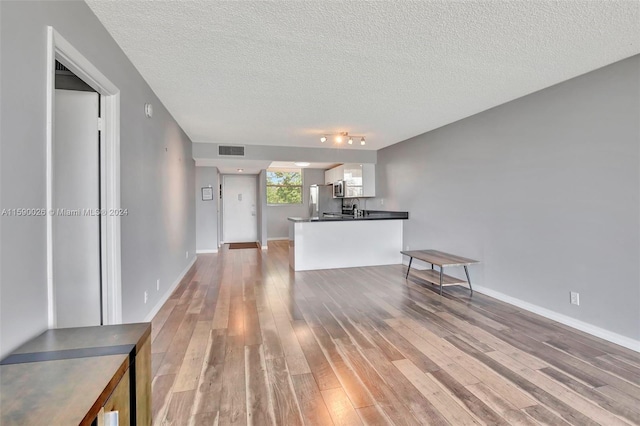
x=83, y=192
x=239, y=218
x=76, y=203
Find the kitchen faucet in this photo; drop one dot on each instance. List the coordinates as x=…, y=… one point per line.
x=354, y=207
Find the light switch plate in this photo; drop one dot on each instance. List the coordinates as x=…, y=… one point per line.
x=111, y=418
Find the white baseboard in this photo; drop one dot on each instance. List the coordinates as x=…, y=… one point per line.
x=610, y=336
x=205, y=251
x=607, y=335
x=265, y=247
x=169, y=292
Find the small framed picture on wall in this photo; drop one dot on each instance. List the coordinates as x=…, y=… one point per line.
x=207, y=193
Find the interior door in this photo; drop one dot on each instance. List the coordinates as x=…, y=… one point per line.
x=76, y=199
x=240, y=224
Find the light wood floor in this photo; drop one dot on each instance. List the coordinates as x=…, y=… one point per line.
x=244, y=340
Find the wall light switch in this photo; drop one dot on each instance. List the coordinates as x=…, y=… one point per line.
x=111, y=418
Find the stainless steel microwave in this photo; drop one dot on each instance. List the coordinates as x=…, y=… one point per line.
x=338, y=189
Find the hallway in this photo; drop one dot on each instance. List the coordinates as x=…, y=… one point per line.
x=243, y=340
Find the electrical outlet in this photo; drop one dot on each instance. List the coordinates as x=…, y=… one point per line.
x=186, y=255
x=158, y=285
x=146, y=297
x=575, y=298
x=407, y=248
x=382, y=201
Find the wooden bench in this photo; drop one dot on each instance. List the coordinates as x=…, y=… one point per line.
x=442, y=260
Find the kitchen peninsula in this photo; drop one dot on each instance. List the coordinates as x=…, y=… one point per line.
x=346, y=242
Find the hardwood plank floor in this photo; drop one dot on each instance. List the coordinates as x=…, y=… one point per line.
x=244, y=340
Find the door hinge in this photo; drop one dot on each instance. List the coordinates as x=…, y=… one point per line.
x=100, y=123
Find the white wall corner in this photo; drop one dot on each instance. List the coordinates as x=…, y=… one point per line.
x=169, y=292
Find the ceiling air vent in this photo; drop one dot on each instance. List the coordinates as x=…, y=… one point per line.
x=231, y=150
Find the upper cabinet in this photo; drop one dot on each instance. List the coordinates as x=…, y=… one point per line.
x=359, y=179
x=333, y=175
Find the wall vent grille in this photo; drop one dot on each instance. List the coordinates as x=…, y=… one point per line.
x=60, y=67
x=231, y=150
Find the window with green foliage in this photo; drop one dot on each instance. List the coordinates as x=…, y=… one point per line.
x=284, y=186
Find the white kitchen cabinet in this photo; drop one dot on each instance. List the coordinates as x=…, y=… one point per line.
x=334, y=175
x=328, y=177
x=338, y=173
x=359, y=179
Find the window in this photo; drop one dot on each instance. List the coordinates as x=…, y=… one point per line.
x=284, y=186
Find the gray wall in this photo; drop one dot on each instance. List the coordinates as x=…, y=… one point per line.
x=277, y=223
x=207, y=211
x=157, y=169
x=543, y=190
x=262, y=207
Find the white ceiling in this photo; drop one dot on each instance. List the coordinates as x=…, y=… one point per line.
x=282, y=73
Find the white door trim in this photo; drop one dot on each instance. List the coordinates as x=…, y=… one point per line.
x=60, y=49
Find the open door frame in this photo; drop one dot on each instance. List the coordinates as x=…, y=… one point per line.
x=61, y=50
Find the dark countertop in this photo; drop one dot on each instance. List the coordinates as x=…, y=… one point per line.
x=368, y=215
x=61, y=339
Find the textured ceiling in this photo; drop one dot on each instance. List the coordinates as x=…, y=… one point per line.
x=282, y=73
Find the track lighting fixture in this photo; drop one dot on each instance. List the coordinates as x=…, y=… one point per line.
x=340, y=137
